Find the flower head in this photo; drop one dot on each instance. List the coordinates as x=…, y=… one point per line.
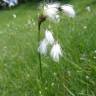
x=68, y=10
x=43, y=47
x=56, y=52
x=49, y=37
x=51, y=10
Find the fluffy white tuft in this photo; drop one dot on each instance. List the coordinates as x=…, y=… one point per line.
x=68, y=10
x=56, y=52
x=51, y=10
x=43, y=47
x=49, y=37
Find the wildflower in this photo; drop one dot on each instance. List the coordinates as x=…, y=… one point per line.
x=94, y=51
x=56, y=52
x=54, y=73
x=14, y=15
x=51, y=10
x=94, y=57
x=88, y=8
x=87, y=77
x=49, y=37
x=52, y=84
x=85, y=27
x=40, y=92
x=46, y=88
x=43, y=47
x=68, y=10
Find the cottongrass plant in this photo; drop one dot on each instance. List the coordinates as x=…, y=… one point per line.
x=52, y=11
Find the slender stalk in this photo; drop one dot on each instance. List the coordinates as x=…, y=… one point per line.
x=39, y=55
x=41, y=19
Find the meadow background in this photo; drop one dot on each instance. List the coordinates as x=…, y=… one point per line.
x=74, y=75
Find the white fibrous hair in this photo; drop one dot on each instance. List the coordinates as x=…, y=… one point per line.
x=51, y=10
x=43, y=47
x=56, y=52
x=68, y=10
x=49, y=37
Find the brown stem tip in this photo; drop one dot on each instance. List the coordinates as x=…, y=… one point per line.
x=41, y=19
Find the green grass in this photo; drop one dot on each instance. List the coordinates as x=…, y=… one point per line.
x=75, y=75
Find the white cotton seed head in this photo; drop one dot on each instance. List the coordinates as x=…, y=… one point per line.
x=68, y=10
x=49, y=37
x=56, y=52
x=43, y=47
x=51, y=11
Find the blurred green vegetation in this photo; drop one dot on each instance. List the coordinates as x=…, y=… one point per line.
x=74, y=75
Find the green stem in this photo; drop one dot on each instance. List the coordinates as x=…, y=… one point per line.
x=41, y=19
x=39, y=55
